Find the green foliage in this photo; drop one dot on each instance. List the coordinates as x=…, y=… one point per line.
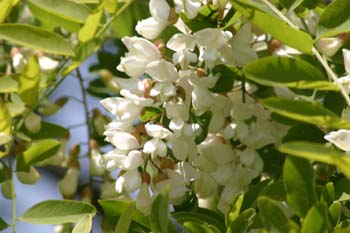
x=299, y=180
x=334, y=19
x=35, y=38
x=274, y=26
x=296, y=74
x=58, y=211
x=37, y=152
x=309, y=112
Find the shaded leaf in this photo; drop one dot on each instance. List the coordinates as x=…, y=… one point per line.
x=8, y=84
x=242, y=222
x=299, y=181
x=335, y=19
x=57, y=212
x=273, y=217
x=125, y=219
x=315, y=220
x=159, y=216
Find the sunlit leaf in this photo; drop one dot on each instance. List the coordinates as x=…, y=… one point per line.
x=288, y=72
x=318, y=152
x=84, y=224
x=36, y=38
x=309, y=112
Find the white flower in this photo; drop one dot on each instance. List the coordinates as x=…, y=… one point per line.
x=47, y=64
x=151, y=27
x=242, y=51
x=190, y=7
x=124, y=141
x=141, y=52
x=346, y=55
x=130, y=181
x=183, y=45
x=19, y=63
x=156, y=146
x=205, y=185
x=162, y=71
x=329, y=46
x=340, y=139
x=176, y=183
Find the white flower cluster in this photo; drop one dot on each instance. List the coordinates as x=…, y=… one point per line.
x=171, y=145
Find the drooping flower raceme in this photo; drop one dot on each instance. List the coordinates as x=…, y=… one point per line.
x=172, y=127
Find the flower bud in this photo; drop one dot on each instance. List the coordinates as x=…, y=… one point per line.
x=30, y=177
x=6, y=189
x=74, y=150
x=33, y=123
x=68, y=185
x=87, y=194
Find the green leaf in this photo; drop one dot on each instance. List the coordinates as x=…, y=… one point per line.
x=242, y=222
x=125, y=219
x=5, y=126
x=57, y=212
x=36, y=38
x=335, y=19
x=201, y=216
x=327, y=196
x=309, y=112
x=89, y=29
x=203, y=121
x=227, y=76
x=299, y=180
x=274, y=217
x=234, y=208
x=65, y=13
x=8, y=84
x=83, y=51
x=29, y=80
x=274, y=26
x=115, y=208
x=36, y=153
x=5, y=9
x=315, y=220
x=47, y=130
x=304, y=132
x=151, y=114
x=111, y=5
x=160, y=212
x=195, y=227
x=318, y=152
x=84, y=224
x=3, y=224
x=334, y=213
x=252, y=194
x=287, y=72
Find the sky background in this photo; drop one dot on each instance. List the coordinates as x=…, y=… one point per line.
x=46, y=188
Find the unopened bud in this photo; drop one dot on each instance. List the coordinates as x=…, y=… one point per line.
x=344, y=37
x=74, y=150
x=30, y=177
x=147, y=84
x=6, y=189
x=61, y=101
x=87, y=194
x=106, y=75
x=160, y=44
x=94, y=145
